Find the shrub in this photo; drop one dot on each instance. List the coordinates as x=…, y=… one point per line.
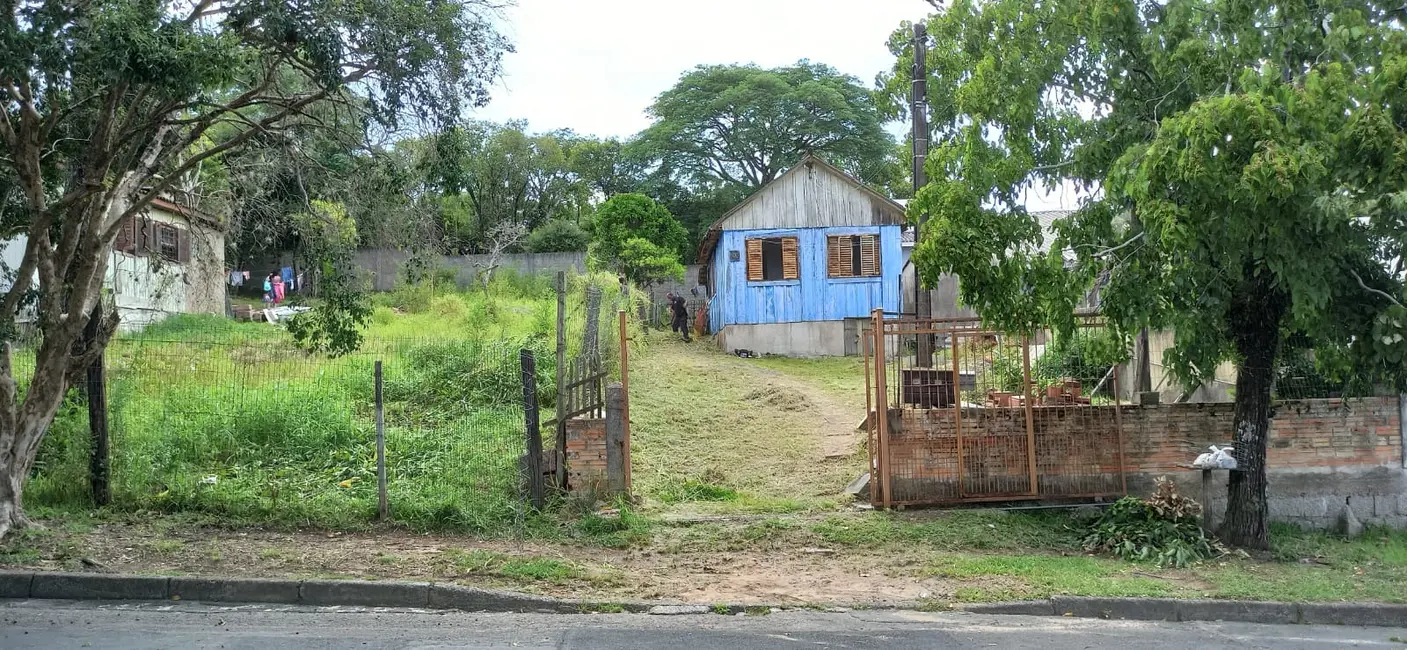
x=557, y=236
x=1162, y=529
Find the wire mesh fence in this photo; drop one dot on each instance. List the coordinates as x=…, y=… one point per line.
x=232, y=419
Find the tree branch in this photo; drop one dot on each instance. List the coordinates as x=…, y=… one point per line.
x=1369, y=289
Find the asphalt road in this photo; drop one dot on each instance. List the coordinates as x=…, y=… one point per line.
x=57, y=624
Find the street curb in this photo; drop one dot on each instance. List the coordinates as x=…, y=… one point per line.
x=1173, y=609
x=367, y=593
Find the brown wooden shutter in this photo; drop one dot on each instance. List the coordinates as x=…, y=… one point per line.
x=847, y=256
x=126, y=240
x=754, y=260
x=869, y=255
x=833, y=256
x=183, y=245
x=791, y=270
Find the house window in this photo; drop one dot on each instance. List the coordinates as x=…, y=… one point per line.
x=771, y=259
x=169, y=242
x=852, y=256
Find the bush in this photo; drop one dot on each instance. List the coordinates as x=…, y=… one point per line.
x=557, y=236
x=1162, y=529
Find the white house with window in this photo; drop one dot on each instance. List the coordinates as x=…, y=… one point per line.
x=168, y=260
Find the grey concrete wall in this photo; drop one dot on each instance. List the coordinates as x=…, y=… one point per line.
x=1312, y=498
x=809, y=339
x=384, y=268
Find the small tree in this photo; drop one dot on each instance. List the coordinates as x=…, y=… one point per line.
x=108, y=105
x=502, y=237
x=334, y=326
x=644, y=263
x=634, y=216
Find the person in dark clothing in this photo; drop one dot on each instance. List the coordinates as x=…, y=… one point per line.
x=680, y=321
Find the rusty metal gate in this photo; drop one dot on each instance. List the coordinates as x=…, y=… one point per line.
x=959, y=413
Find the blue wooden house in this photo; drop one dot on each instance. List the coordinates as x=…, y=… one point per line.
x=796, y=267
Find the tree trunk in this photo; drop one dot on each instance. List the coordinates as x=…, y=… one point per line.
x=11, y=502
x=1255, y=327
x=1143, y=375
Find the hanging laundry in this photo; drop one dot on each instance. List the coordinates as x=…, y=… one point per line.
x=287, y=273
x=236, y=278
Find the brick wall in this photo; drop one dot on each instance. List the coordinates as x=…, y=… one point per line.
x=586, y=454
x=1324, y=455
x=1322, y=434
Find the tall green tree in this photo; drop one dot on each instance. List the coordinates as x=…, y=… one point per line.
x=744, y=125
x=501, y=173
x=108, y=105
x=1245, y=161
x=634, y=234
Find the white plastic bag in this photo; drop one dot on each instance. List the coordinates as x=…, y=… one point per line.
x=1217, y=458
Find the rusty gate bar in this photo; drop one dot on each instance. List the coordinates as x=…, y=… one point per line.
x=1030, y=413
x=870, y=441
x=882, y=413
x=957, y=409
x=1119, y=427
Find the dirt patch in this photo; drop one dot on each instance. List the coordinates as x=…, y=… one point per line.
x=775, y=575
x=784, y=398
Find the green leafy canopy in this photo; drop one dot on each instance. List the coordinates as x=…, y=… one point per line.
x=1243, y=159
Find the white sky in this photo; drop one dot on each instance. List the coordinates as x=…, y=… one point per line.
x=594, y=66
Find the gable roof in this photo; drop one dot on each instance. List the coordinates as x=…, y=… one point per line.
x=890, y=212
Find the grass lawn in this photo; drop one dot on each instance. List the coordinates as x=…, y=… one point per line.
x=724, y=434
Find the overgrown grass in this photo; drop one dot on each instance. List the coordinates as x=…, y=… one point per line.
x=229, y=419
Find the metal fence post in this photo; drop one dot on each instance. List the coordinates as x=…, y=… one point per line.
x=534, y=429
x=616, y=472
x=382, y=507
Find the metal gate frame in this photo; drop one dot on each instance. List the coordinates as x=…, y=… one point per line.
x=878, y=409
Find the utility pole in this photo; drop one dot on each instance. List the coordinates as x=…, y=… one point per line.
x=918, y=108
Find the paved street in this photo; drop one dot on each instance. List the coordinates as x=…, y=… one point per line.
x=56, y=624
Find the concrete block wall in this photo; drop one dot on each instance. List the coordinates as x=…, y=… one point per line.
x=1323, y=456
x=586, y=454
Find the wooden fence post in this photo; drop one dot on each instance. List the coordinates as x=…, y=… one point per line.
x=561, y=397
x=383, y=508
x=625, y=393
x=617, y=482
x=534, y=430
x=97, y=414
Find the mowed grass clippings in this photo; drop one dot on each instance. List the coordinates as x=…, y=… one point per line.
x=732, y=435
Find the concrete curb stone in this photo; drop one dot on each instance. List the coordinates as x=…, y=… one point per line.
x=364, y=593
x=1014, y=608
x=15, y=585
x=98, y=586
x=1136, y=609
x=448, y=596
x=1241, y=611
x=101, y=586
x=235, y=590
x=1369, y=614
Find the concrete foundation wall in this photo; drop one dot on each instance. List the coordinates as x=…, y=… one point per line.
x=809, y=339
x=384, y=268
